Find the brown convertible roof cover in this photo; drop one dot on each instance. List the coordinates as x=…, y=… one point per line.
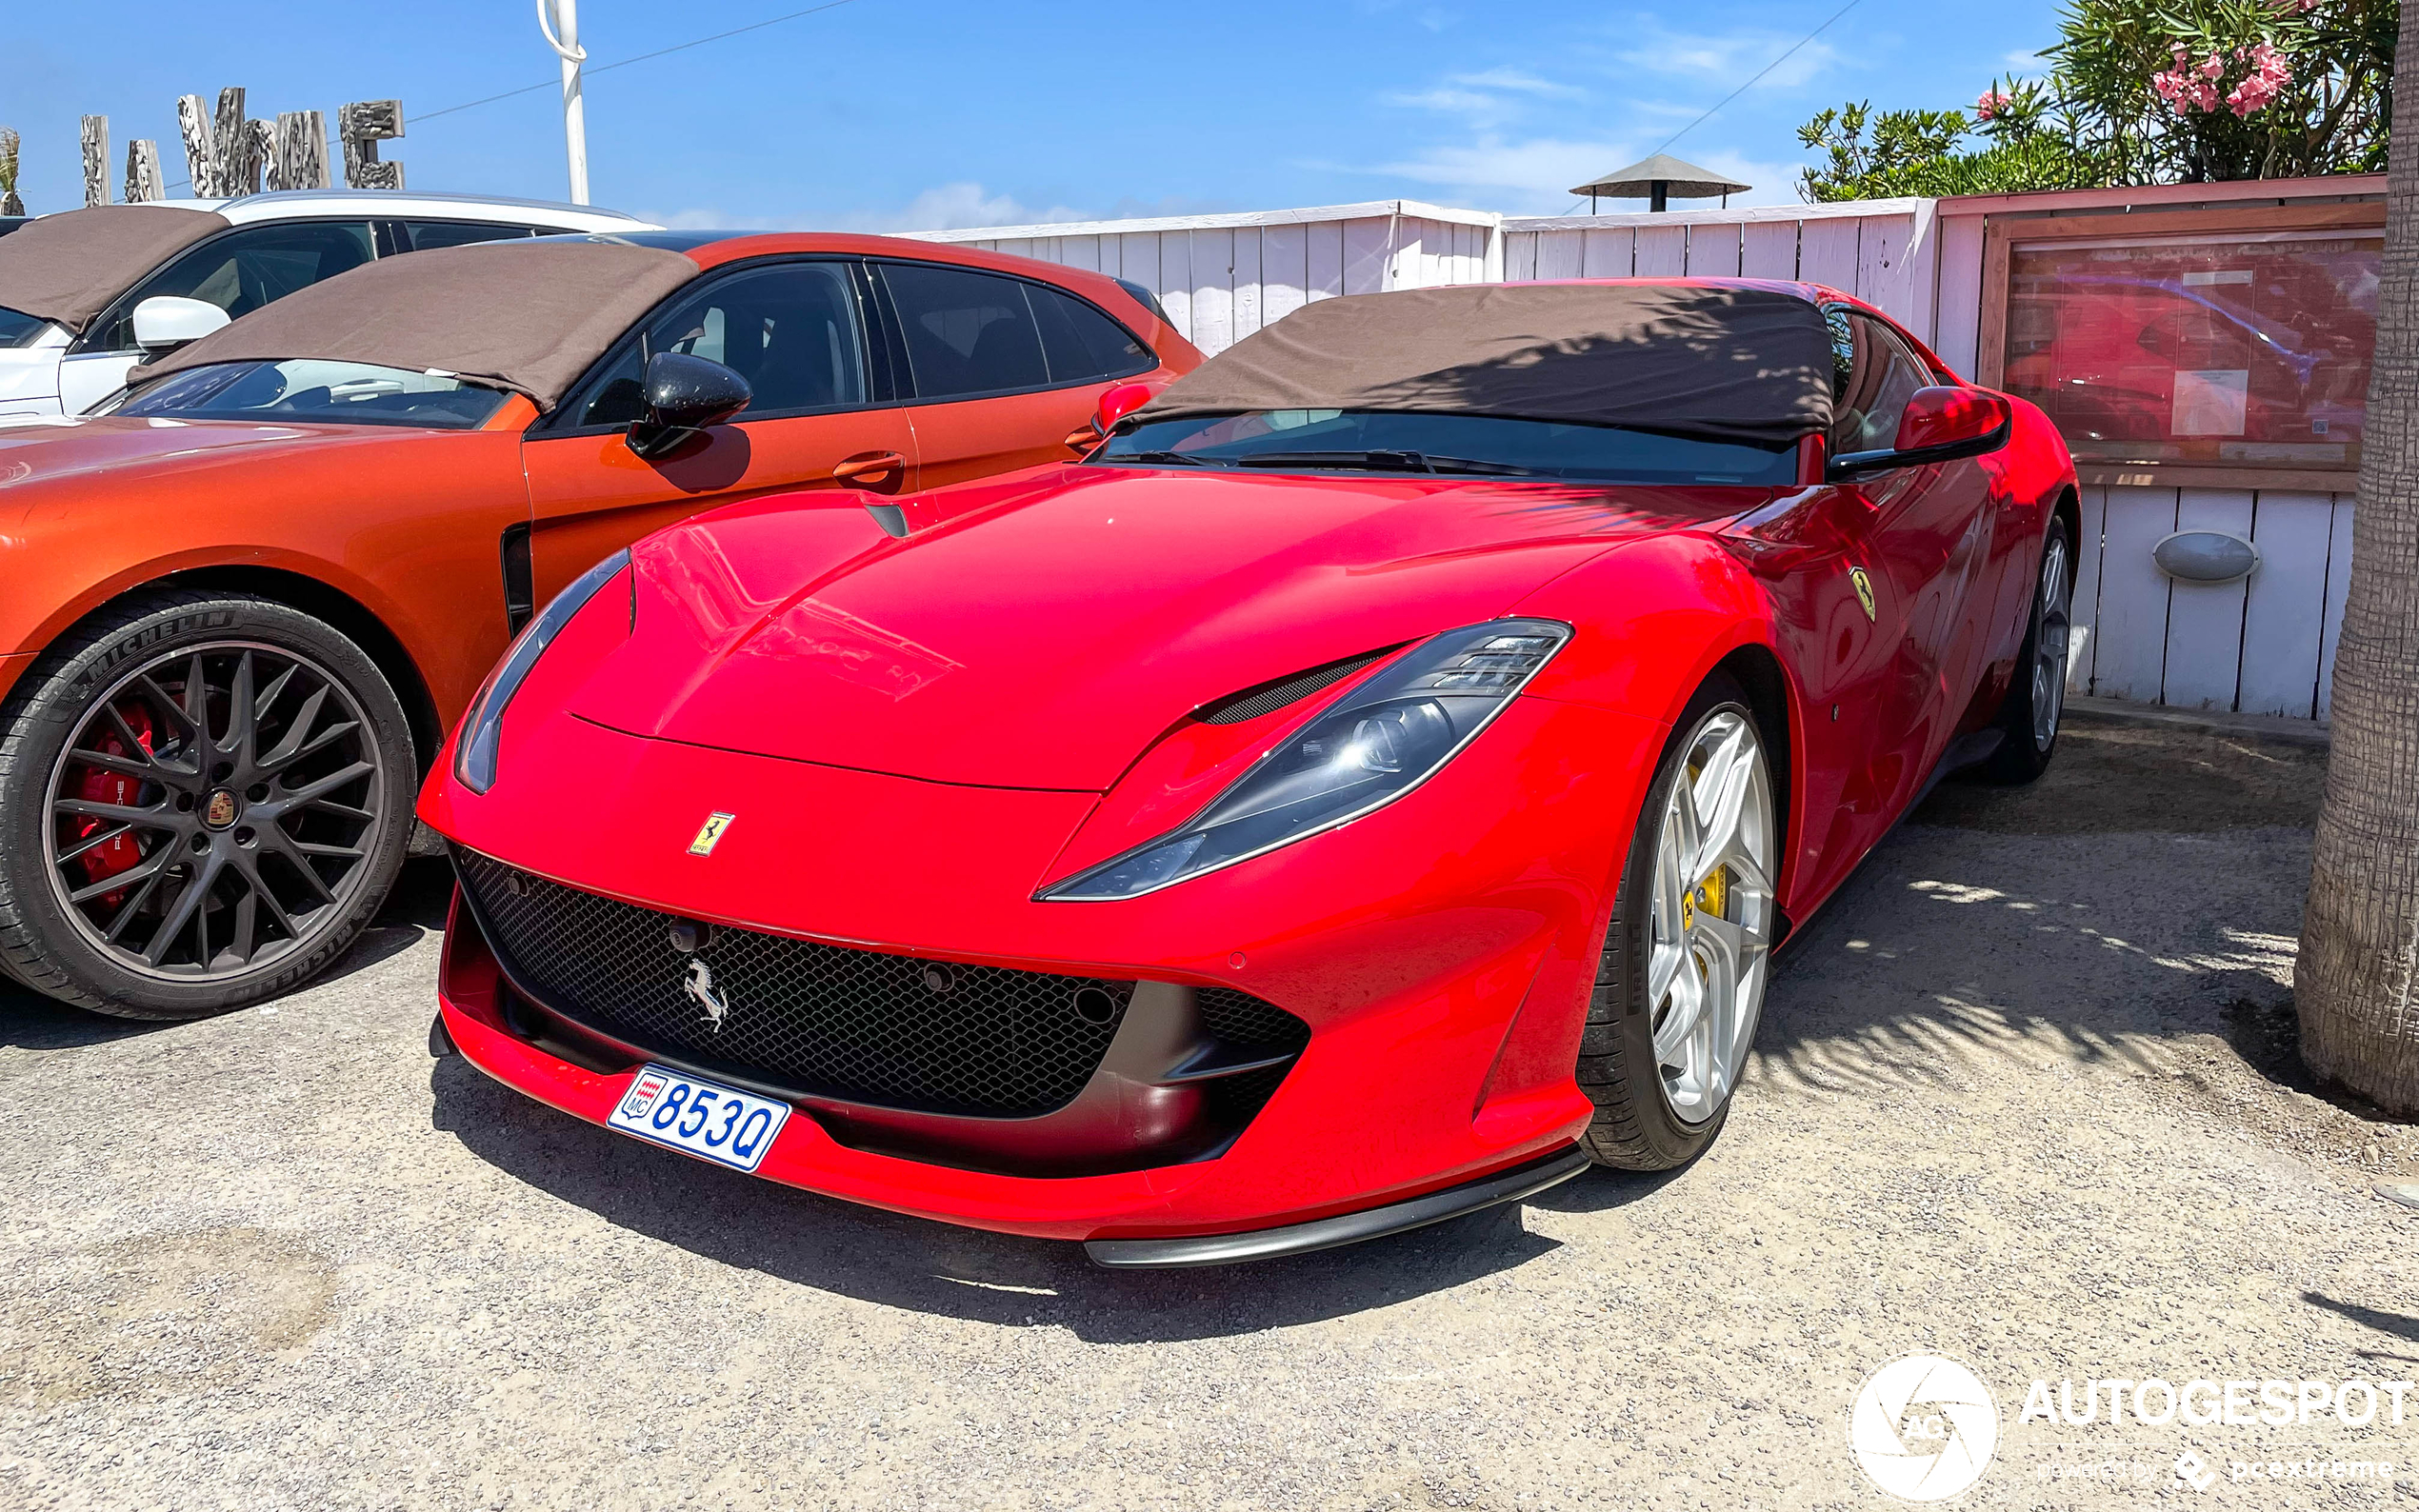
x=67, y=268
x=1726, y=361
x=528, y=316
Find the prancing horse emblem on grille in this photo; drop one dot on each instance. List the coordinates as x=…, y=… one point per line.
x=700, y=986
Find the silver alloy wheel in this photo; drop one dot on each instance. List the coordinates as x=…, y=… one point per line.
x=213, y=811
x=2049, y=648
x=1709, y=939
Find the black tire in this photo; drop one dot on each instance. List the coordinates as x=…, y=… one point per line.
x=2024, y=750
x=295, y=886
x=1635, y=1128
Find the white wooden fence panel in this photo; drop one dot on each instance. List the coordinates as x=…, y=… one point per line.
x=1957, y=316
x=2094, y=511
x=1326, y=260
x=1770, y=249
x=1520, y=258
x=2338, y=581
x=2131, y=654
x=1713, y=251
x=2284, y=620
x=1138, y=259
x=1470, y=244
x=1413, y=262
x=1883, y=245
x=1176, y=282
x=1080, y=251
x=1365, y=250
x=1248, y=292
x=1560, y=255
x=1611, y=252
x=1213, y=289
x=1827, y=252
x=1285, y=270
x=1662, y=251
x=2205, y=620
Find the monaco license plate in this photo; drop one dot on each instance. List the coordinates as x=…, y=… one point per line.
x=704, y=1119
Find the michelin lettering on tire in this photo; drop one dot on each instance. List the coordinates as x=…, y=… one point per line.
x=1923, y=1429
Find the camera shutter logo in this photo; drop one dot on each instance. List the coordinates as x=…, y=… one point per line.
x=1923, y=1429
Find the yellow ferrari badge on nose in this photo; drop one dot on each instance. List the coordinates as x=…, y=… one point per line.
x=1864, y=590
x=710, y=834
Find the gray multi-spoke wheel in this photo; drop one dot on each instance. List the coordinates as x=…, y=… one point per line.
x=214, y=793
x=1687, y=954
x=2037, y=691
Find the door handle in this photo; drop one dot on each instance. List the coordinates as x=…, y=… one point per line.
x=868, y=466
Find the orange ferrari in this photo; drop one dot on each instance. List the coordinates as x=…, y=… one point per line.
x=240, y=607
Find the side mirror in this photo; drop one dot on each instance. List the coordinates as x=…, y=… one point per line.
x=1121, y=400
x=1941, y=424
x=164, y=322
x=685, y=395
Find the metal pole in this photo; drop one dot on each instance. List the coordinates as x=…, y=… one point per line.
x=559, y=20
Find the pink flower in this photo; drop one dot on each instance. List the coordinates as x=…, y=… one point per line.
x=2213, y=67
x=1987, y=107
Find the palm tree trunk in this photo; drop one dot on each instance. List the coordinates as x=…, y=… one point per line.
x=2357, y=979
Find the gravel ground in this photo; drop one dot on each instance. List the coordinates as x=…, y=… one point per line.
x=2024, y=1097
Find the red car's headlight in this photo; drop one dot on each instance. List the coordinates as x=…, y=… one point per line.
x=1378, y=742
x=476, y=755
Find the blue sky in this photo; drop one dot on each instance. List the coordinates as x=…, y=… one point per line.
x=901, y=114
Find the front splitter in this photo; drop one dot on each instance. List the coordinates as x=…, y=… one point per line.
x=1525, y=1180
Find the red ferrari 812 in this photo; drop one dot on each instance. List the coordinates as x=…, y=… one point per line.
x=1371, y=785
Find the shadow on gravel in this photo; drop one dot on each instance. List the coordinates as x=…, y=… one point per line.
x=2099, y=916
x=940, y=1268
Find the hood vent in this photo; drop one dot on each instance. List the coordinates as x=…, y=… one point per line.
x=1269, y=697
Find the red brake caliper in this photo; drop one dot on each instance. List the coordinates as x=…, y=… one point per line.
x=100, y=786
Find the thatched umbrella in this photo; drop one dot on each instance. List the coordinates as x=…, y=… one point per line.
x=1658, y=180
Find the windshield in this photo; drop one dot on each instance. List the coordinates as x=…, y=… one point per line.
x=1371, y=441
x=352, y=394
x=17, y=329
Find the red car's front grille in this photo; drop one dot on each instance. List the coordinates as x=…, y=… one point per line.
x=854, y=1026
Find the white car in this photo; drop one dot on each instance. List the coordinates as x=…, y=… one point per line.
x=84, y=293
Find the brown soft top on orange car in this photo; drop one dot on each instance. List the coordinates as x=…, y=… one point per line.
x=66, y=268
x=527, y=316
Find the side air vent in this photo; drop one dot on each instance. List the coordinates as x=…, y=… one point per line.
x=1268, y=697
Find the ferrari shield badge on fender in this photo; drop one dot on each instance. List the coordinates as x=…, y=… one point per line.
x=1855, y=575
x=710, y=833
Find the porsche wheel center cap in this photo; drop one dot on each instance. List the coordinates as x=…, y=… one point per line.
x=220, y=808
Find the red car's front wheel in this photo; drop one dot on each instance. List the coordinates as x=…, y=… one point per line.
x=1688, y=952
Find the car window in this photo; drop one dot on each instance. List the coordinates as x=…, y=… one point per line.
x=424, y=236
x=790, y=329
x=1872, y=382
x=1081, y=345
x=314, y=390
x=240, y=271
x=17, y=329
x=967, y=333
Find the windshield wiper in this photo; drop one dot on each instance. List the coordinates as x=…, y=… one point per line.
x=1388, y=461
x=1171, y=459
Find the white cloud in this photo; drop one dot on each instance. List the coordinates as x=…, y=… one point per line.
x=1533, y=176
x=1485, y=98
x=1731, y=57
x=1448, y=99
x=1518, y=82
